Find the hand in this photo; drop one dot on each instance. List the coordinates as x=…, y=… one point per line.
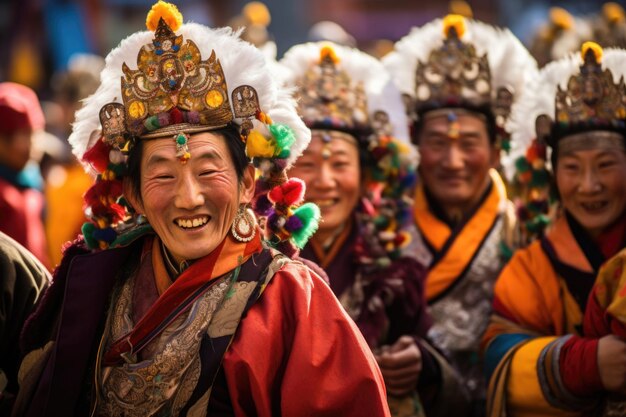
x=612, y=363
x=400, y=364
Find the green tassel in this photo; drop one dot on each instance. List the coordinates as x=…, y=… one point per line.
x=522, y=164
x=87, y=229
x=540, y=178
x=283, y=135
x=309, y=215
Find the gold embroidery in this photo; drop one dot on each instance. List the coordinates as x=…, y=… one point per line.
x=227, y=318
x=164, y=382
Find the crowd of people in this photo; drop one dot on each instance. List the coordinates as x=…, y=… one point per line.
x=439, y=232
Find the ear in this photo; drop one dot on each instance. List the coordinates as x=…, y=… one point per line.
x=130, y=196
x=248, y=185
x=494, y=159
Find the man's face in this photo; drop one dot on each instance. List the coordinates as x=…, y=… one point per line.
x=455, y=170
x=332, y=175
x=15, y=149
x=191, y=206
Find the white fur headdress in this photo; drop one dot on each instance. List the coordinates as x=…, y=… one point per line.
x=509, y=65
x=181, y=79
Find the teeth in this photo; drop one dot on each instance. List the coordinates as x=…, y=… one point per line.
x=188, y=224
x=594, y=206
x=325, y=203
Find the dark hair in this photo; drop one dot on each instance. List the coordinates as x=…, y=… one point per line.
x=490, y=122
x=230, y=133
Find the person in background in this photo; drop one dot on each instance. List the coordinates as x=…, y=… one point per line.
x=359, y=169
x=23, y=280
x=460, y=78
x=21, y=199
x=175, y=302
x=539, y=358
x=65, y=178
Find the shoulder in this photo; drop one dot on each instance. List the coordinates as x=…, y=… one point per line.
x=15, y=259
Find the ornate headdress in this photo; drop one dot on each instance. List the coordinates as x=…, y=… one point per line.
x=580, y=93
x=341, y=88
x=460, y=63
x=188, y=78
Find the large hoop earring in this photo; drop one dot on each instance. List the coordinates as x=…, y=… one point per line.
x=244, y=225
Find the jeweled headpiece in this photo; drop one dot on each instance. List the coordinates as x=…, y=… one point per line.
x=460, y=63
x=329, y=97
x=188, y=78
x=341, y=88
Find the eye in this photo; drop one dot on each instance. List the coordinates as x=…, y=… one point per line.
x=607, y=163
x=207, y=172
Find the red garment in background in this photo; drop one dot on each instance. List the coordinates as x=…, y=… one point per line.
x=21, y=211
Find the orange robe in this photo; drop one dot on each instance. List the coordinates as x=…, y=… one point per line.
x=534, y=310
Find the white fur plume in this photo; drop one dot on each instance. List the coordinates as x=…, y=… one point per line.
x=241, y=62
x=380, y=91
x=539, y=96
x=510, y=64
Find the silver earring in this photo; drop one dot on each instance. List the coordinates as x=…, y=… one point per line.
x=244, y=225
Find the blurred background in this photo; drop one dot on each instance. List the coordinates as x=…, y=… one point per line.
x=41, y=36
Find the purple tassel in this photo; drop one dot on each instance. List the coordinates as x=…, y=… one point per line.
x=273, y=221
x=263, y=206
x=280, y=164
x=293, y=223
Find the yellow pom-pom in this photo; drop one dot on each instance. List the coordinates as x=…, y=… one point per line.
x=257, y=13
x=258, y=146
x=561, y=18
x=597, y=50
x=613, y=12
x=455, y=21
x=327, y=52
x=168, y=12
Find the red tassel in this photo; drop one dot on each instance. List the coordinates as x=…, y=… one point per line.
x=289, y=193
x=98, y=155
x=176, y=115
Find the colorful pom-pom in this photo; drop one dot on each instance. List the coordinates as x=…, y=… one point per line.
x=455, y=21
x=284, y=137
x=309, y=215
x=258, y=146
x=166, y=11
x=87, y=229
x=594, y=47
x=328, y=52
x=98, y=155
x=287, y=194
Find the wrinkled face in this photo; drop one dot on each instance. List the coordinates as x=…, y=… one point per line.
x=191, y=206
x=592, y=186
x=15, y=149
x=332, y=175
x=455, y=170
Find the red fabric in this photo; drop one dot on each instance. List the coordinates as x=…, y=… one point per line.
x=597, y=322
x=21, y=212
x=19, y=108
x=579, y=366
x=612, y=240
x=298, y=354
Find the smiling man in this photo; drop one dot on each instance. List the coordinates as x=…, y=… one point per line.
x=459, y=92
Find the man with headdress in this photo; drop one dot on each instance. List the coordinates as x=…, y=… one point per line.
x=460, y=78
x=539, y=357
x=175, y=302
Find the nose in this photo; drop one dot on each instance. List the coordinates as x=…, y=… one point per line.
x=325, y=178
x=189, y=193
x=453, y=158
x=589, y=182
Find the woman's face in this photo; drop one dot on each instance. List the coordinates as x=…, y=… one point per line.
x=191, y=206
x=592, y=186
x=332, y=175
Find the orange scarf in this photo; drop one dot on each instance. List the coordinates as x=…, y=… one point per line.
x=180, y=294
x=462, y=247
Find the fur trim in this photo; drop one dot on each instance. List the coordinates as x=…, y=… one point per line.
x=241, y=62
x=539, y=96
